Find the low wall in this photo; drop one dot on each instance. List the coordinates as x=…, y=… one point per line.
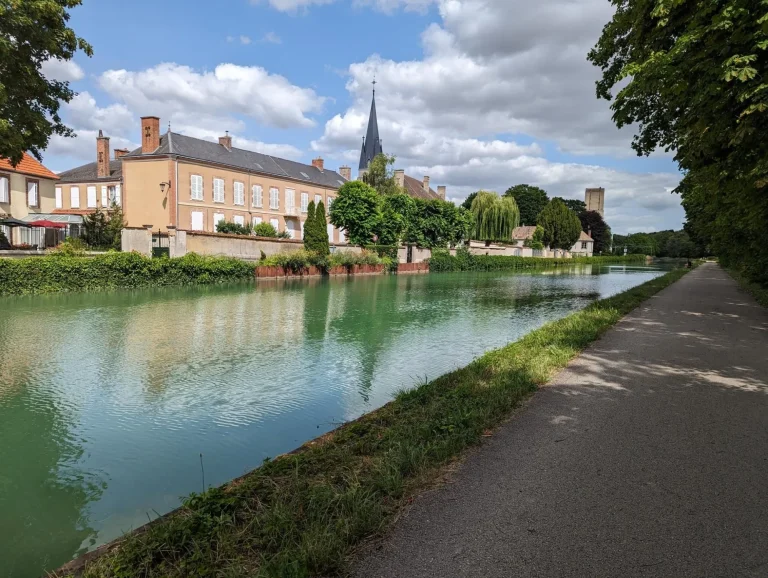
x=412, y=268
x=136, y=239
x=418, y=255
x=283, y=272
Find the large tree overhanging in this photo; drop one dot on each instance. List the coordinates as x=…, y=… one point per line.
x=32, y=32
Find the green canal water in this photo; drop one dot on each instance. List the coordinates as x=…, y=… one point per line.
x=108, y=400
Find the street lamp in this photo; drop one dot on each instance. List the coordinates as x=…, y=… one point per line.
x=163, y=185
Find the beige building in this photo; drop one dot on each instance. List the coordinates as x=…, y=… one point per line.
x=27, y=193
x=191, y=184
x=595, y=200
x=584, y=247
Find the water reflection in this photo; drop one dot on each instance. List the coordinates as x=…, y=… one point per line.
x=106, y=401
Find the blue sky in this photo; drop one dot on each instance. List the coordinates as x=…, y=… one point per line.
x=475, y=93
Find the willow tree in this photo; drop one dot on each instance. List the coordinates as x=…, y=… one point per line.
x=495, y=217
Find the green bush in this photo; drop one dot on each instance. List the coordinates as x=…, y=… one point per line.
x=300, y=260
x=70, y=247
x=235, y=228
x=442, y=261
x=114, y=271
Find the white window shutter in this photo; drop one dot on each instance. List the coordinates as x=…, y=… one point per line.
x=104, y=199
x=329, y=228
x=118, y=197
x=91, y=197
x=74, y=197
x=59, y=200
x=239, y=219
x=197, y=221
x=32, y=194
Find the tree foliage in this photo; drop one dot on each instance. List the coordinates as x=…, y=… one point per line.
x=594, y=225
x=495, y=217
x=321, y=242
x=562, y=227
x=659, y=244
x=32, y=32
x=530, y=201
x=575, y=205
x=691, y=79
x=537, y=241
x=467, y=204
x=103, y=229
x=381, y=175
x=356, y=210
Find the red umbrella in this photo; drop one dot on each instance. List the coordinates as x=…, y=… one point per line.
x=48, y=224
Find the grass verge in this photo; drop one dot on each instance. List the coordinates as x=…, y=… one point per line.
x=759, y=292
x=303, y=513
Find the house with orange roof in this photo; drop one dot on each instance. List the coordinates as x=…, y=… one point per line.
x=27, y=192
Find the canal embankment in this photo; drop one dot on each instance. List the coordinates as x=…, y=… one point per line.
x=302, y=514
x=109, y=271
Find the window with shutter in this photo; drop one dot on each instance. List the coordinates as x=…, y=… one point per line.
x=239, y=220
x=290, y=200
x=329, y=228
x=5, y=189
x=257, y=200
x=104, y=196
x=239, y=193
x=91, y=197
x=111, y=196
x=274, y=198
x=217, y=218
x=275, y=223
x=118, y=195
x=318, y=198
x=257, y=221
x=328, y=206
x=304, y=203
x=59, y=199
x=197, y=221
x=33, y=198
x=218, y=190
x=342, y=236
x=196, y=188
x=74, y=197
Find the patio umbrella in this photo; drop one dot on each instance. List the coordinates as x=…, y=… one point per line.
x=11, y=222
x=48, y=224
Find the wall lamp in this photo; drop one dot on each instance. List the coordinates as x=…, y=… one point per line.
x=163, y=185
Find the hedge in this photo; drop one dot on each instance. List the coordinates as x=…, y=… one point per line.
x=442, y=261
x=56, y=273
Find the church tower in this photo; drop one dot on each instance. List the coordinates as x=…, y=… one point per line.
x=371, y=143
x=595, y=200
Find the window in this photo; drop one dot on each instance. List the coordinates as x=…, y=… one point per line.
x=74, y=197
x=217, y=218
x=197, y=220
x=91, y=197
x=302, y=230
x=104, y=196
x=196, y=187
x=59, y=199
x=274, y=198
x=258, y=196
x=5, y=189
x=318, y=199
x=33, y=193
x=275, y=223
x=290, y=200
x=329, y=228
x=239, y=193
x=112, y=196
x=218, y=190
x=118, y=195
x=583, y=244
x=257, y=221
x=239, y=220
x=342, y=237
x=330, y=202
x=304, y=202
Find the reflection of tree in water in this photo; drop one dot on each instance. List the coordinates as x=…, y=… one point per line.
x=43, y=496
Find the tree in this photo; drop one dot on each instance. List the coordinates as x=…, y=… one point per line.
x=575, y=205
x=320, y=226
x=562, y=227
x=495, y=217
x=310, y=241
x=537, y=241
x=31, y=33
x=594, y=225
x=356, y=210
x=381, y=175
x=690, y=78
x=530, y=200
x=103, y=229
x=467, y=204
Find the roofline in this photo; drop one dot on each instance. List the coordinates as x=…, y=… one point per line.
x=33, y=175
x=65, y=180
x=177, y=156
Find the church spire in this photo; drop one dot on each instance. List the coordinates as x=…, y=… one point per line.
x=371, y=142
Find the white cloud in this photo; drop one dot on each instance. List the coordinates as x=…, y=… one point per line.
x=292, y=5
x=245, y=39
x=285, y=151
x=62, y=70
x=182, y=94
x=271, y=38
x=83, y=146
x=84, y=113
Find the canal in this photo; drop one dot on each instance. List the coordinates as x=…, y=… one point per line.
x=107, y=401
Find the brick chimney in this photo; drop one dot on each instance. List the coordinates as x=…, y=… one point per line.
x=426, y=184
x=441, y=191
x=318, y=163
x=346, y=172
x=120, y=153
x=226, y=141
x=400, y=178
x=150, y=134
x=102, y=156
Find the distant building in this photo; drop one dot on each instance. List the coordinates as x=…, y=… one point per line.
x=595, y=200
x=372, y=147
x=584, y=247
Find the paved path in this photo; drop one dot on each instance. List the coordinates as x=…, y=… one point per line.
x=647, y=456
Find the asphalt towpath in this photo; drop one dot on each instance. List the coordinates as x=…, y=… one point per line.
x=647, y=456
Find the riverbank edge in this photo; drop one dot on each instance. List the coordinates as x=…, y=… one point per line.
x=759, y=292
x=114, y=270
x=303, y=513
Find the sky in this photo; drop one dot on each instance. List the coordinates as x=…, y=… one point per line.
x=477, y=94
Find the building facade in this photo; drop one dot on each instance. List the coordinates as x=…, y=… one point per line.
x=584, y=247
x=27, y=193
x=191, y=184
x=595, y=200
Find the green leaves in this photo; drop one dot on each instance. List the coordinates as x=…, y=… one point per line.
x=561, y=225
x=495, y=217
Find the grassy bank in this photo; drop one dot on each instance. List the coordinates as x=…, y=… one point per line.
x=759, y=292
x=302, y=514
x=56, y=273
x=442, y=262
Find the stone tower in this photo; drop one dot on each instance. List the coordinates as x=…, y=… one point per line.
x=371, y=142
x=595, y=200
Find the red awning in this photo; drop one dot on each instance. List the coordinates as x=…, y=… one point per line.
x=48, y=224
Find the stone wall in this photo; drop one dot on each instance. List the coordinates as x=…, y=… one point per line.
x=419, y=255
x=137, y=239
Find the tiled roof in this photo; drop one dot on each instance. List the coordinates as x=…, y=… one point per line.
x=523, y=233
x=28, y=166
x=87, y=173
x=415, y=188
x=585, y=237
x=195, y=148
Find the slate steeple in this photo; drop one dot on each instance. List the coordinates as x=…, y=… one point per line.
x=371, y=142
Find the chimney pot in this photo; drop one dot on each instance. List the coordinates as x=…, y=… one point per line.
x=226, y=141
x=346, y=172
x=150, y=134
x=441, y=191
x=102, y=156
x=400, y=178
x=426, y=184
x=120, y=153
x=318, y=163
